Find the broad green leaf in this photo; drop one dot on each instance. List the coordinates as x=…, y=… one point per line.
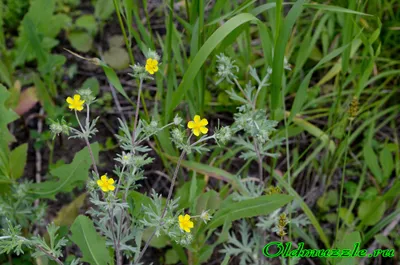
x=386, y=161
x=347, y=242
x=103, y=9
x=18, y=161
x=347, y=217
x=248, y=208
x=7, y=116
x=66, y=216
x=80, y=40
x=93, y=84
x=216, y=38
x=372, y=162
x=87, y=22
x=68, y=176
x=92, y=245
x=171, y=257
x=117, y=58
x=371, y=211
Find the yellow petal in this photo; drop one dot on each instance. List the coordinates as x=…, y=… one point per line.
x=69, y=100
x=186, y=229
x=204, y=122
x=191, y=124
x=77, y=97
x=111, y=187
x=155, y=68
x=190, y=224
x=187, y=217
x=104, y=178
x=71, y=106
x=104, y=188
x=149, y=61
x=111, y=181
x=196, y=119
x=196, y=131
x=79, y=108
x=180, y=218
x=100, y=183
x=203, y=130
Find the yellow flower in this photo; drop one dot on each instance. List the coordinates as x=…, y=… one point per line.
x=106, y=184
x=198, y=125
x=75, y=103
x=151, y=66
x=185, y=223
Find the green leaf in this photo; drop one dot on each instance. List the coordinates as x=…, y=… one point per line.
x=87, y=22
x=371, y=211
x=216, y=38
x=386, y=160
x=372, y=162
x=248, y=208
x=68, y=175
x=117, y=58
x=347, y=242
x=7, y=116
x=348, y=218
x=66, y=216
x=92, y=245
x=18, y=161
x=171, y=257
x=114, y=80
x=80, y=40
x=93, y=84
x=103, y=9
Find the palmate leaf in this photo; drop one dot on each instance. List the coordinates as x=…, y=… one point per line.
x=68, y=175
x=92, y=245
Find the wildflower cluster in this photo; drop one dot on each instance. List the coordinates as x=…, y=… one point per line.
x=150, y=68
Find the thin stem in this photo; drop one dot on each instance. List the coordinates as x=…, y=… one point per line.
x=137, y=113
x=171, y=188
x=36, y=246
x=260, y=167
x=87, y=143
x=244, y=94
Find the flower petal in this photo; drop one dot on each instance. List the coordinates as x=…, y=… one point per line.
x=79, y=108
x=203, y=130
x=196, y=131
x=69, y=100
x=104, y=188
x=203, y=122
x=196, y=119
x=100, y=183
x=190, y=224
x=187, y=217
x=186, y=229
x=110, y=181
x=180, y=218
x=104, y=178
x=77, y=97
x=111, y=187
x=191, y=124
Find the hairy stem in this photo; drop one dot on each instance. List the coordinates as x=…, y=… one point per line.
x=171, y=188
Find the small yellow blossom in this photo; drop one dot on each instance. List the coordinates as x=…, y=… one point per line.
x=75, y=103
x=106, y=184
x=198, y=125
x=185, y=223
x=151, y=66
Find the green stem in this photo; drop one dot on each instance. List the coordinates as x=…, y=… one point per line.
x=121, y=24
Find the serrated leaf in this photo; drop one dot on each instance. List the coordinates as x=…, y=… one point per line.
x=68, y=175
x=92, y=245
x=18, y=161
